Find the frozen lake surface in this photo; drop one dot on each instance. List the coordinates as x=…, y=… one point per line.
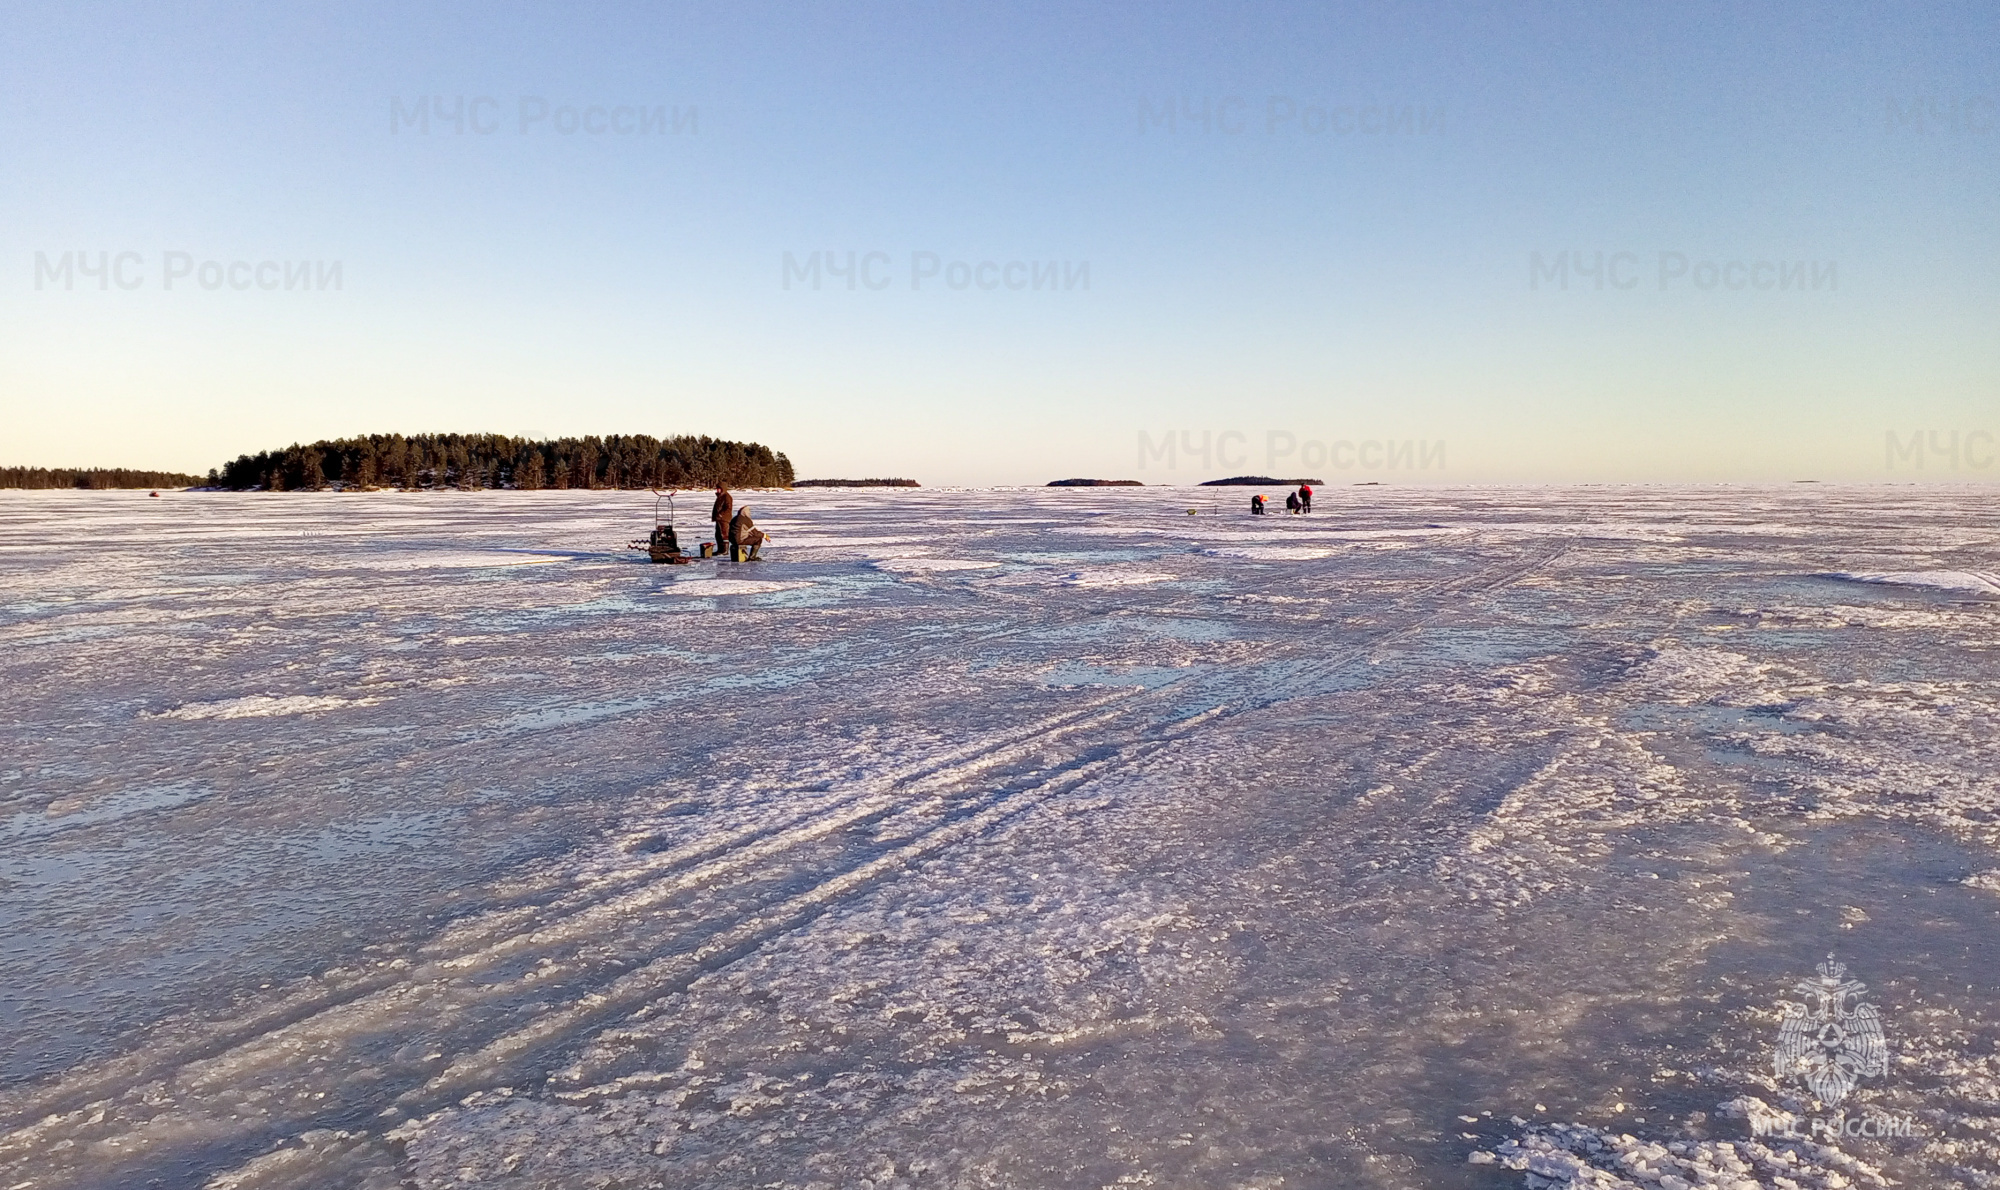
x=1012, y=839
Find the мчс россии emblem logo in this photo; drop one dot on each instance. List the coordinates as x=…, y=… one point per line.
x=1833, y=1040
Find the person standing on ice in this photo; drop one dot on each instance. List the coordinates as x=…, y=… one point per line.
x=1305, y=497
x=724, y=503
x=744, y=534
x=1257, y=504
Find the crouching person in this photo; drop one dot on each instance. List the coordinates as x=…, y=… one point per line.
x=744, y=535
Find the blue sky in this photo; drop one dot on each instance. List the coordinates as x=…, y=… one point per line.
x=1308, y=264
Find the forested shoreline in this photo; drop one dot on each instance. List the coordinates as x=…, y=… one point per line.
x=460, y=461
x=473, y=461
x=93, y=478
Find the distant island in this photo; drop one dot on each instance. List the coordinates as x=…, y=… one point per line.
x=1095, y=483
x=1262, y=481
x=855, y=483
x=92, y=478
x=475, y=461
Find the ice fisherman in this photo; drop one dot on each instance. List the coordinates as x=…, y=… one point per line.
x=1305, y=497
x=1257, y=504
x=724, y=503
x=744, y=535
x=1292, y=503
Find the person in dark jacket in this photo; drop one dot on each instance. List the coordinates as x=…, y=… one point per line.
x=1305, y=497
x=1292, y=502
x=1257, y=504
x=744, y=535
x=724, y=504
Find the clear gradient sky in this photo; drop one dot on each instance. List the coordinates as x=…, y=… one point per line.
x=1305, y=263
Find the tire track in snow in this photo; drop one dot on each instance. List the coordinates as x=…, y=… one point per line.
x=961, y=760
x=675, y=973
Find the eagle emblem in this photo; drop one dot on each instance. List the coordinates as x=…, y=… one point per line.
x=1833, y=1040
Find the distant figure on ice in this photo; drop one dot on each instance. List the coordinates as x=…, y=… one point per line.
x=724, y=503
x=1292, y=503
x=1257, y=504
x=1305, y=497
x=744, y=535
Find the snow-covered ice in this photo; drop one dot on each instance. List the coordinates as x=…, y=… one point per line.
x=1001, y=838
x=711, y=586
x=252, y=706
x=920, y=564
x=1947, y=580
